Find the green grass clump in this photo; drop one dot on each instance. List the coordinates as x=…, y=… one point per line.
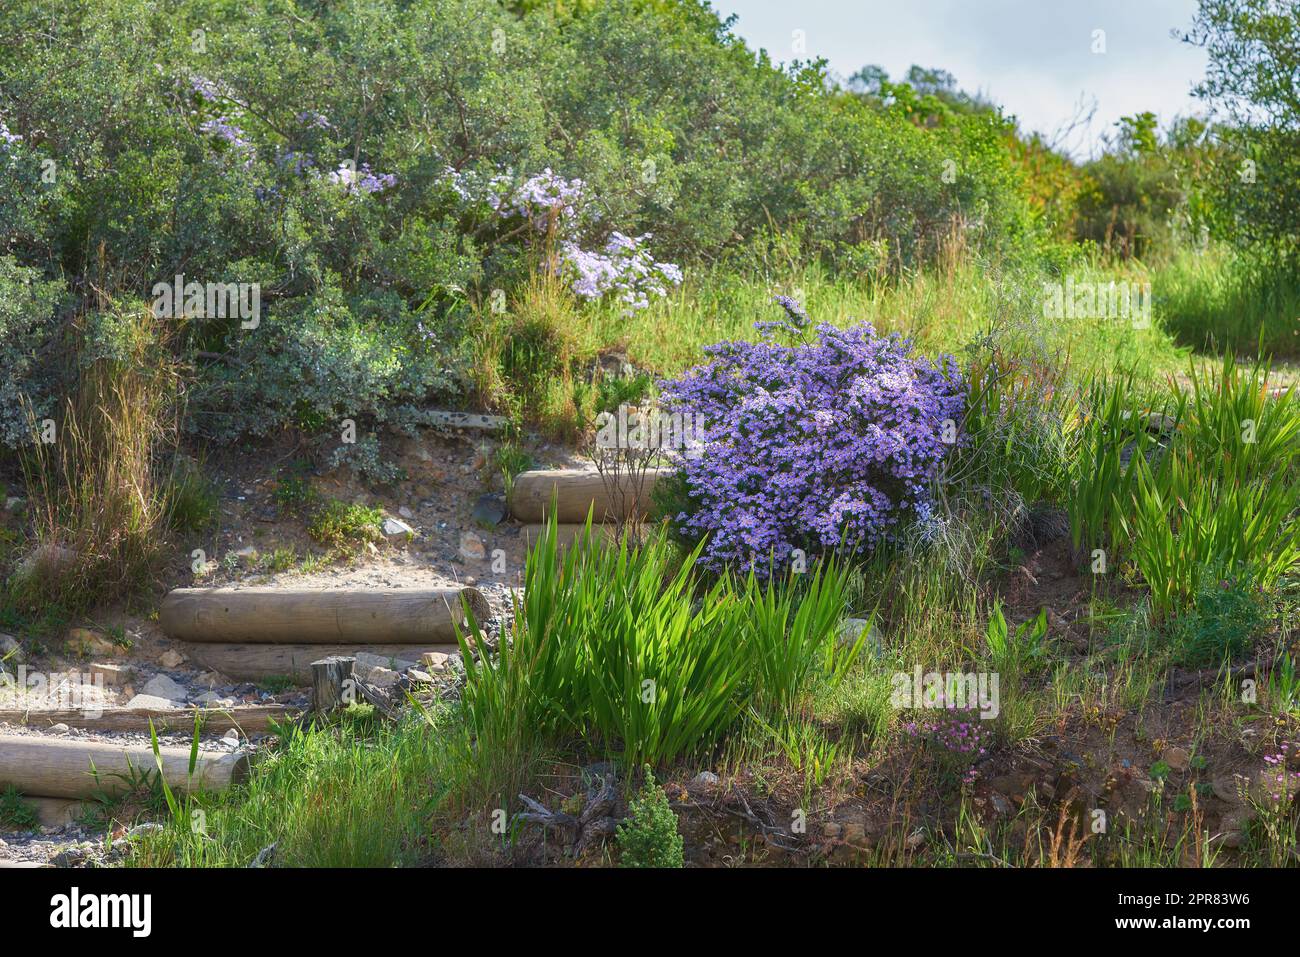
x=15, y=813
x=630, y=648
x=345, y=525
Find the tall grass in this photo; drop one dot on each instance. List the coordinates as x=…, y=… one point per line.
x=1218, y=299
x=629, y=647
x=99, y=491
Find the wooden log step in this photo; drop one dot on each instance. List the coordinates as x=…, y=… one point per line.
x=243, y=662
x=59, y=767
x=346, y=616
x=249, y=719
x=577, y=490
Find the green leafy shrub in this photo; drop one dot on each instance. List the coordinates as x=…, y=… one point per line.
x=1222, y=624
x=649, y=838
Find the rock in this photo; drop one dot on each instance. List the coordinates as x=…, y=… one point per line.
x=230, y=738
x=490, y=510
x=59, y=728
x=1229, y=788
x=436, y=660
x=171, y=658
x=1177, y=758
x=405, y=512
x=145, y=702
x=366, y=661
x=161, y=686
x=87, y=642
x=855, y=832
x=13, y=503
x=418, y=676
x=395, y=529
x=45, y=559
x=212, y=699
x=10, y=650
x=705, y=777
x=382, y=677
x=851, y=629
x=472, y=547
x=142, y=830
x=213, y=679
x=113, y=676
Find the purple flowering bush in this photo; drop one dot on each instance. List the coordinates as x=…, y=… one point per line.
x=833, y=438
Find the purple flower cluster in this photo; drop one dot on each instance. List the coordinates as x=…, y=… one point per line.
x=362, y=178
x=1282, y=783
x=558, y=206
x=954, y=735
x=545, y=200
x=625, y=268
x=8, y=139
x=806, y=446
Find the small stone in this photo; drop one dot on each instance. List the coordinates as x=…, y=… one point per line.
x=59, y=728
x=162, y=686
x=88, y=642
x=367, y=661
x=11, y=650
x=382, y=677
x=705, y=777
x=405, y=512
x=113, y=676
x=213, y=699
x=1228, y=788
x=418, y=676
x=436, y=660
x=171, y=658
x=1177, y=758
x=230, y=738
x=472, y=547
x=851, y=629
x=143, y=702
x=490, y=510
x=397, y=529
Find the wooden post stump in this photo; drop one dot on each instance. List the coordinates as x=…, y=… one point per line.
x=332, y=682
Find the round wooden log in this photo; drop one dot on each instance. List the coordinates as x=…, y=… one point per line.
x=56, y=767
x=259, y=662
x=335, y=616
x=566, y=533
x=575, y=491
x=332, y=682
x=250, y=719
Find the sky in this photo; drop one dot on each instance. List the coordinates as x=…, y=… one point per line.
x=1034, y=57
